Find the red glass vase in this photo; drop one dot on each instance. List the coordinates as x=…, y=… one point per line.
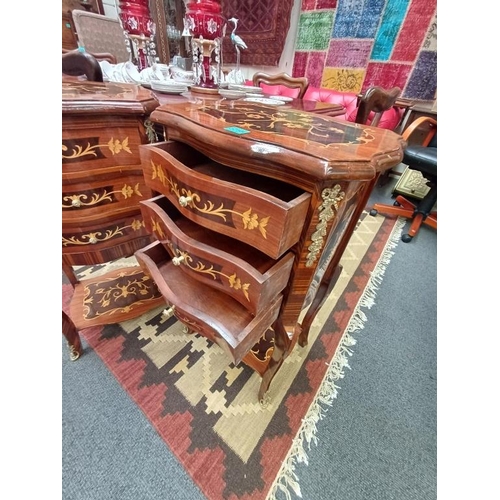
x=205, y=22
x=139, y=28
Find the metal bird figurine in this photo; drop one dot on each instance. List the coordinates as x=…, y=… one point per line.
x=237, y=41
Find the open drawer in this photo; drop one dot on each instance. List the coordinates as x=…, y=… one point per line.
x=207, y=311
x=265, y=213
x=249, y=276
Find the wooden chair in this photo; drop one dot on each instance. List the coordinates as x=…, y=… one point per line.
x=374, y=102
x=350, y=101
x=101, y=34
x=281, y=84
x=78, y=63
x=421, y=157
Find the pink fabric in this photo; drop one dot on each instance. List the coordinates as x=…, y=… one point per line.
x=279, y=90
x=388, y=120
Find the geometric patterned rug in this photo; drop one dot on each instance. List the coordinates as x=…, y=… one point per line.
x=206, y=409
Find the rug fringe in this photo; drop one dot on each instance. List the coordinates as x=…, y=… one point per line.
x=287, y=480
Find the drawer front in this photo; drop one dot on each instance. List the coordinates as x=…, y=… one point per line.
x=113, y=191
x=207, y=311
x=93, y=256
x=87, y=149
x=247, y=275
x=214, y=196
x=105, y=234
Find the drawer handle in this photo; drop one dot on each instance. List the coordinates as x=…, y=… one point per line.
x=76, y=203
x=168, y=313
x=176, y=261
x=185, y=200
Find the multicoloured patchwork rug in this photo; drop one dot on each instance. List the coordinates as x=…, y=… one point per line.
x=207, y=410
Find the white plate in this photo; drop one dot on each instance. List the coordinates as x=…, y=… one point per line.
x=168, y=86
x=171, y=91
x=232, y=94
x=245, y=88
x=264, y=100
x=283, y=98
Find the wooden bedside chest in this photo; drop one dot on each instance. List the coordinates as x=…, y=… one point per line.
x=103, y=125
x=257, y=204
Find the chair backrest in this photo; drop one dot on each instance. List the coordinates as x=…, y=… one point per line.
x=281, y=84
x=101, y=34
x=78, y=63
x=422, y=131
x=375, y=100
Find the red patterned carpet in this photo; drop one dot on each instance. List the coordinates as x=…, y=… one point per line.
x=207, y=410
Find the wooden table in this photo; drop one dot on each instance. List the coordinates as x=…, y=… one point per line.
x=324, y=108
x=280, y=180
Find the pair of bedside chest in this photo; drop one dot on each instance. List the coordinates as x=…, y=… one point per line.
x=238, y=215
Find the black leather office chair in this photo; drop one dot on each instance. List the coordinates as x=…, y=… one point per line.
x=421, y=156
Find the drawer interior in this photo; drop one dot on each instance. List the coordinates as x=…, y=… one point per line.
x=197, y=161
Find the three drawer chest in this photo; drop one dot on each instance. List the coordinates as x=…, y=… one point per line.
x=103, y=125
x=252, y=210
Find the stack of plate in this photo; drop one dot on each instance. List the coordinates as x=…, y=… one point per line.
x=231, y=94
x=264, y=100
x=246, y=88
x=168, y=87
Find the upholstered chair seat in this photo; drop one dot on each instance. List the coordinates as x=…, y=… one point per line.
x=349, y=100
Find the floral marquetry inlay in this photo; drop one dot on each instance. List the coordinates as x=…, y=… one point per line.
x=199, y=267
x=119, y=294
x=303, y=126
x=249, y=219
x=331, y=199
x=94, y=237
x=89, y=200
x=116, y=146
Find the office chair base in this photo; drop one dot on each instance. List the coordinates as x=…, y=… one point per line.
x=405, y=208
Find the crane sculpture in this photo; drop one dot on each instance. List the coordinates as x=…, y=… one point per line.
x=238, y=42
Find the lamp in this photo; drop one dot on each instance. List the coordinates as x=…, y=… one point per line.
x=139, y=30
x=204, y=22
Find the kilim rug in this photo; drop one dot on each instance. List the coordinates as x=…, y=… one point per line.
x=206, y=409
